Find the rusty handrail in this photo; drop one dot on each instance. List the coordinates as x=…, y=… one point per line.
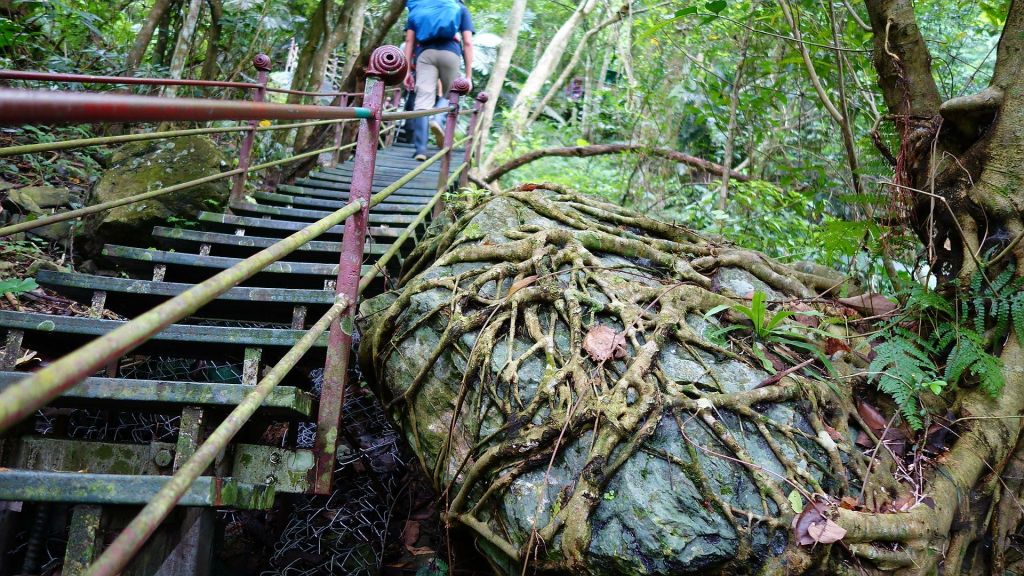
x=409, y=114
x=386, y=64
x=39, y=76
x=124, y=138
x=36, y=76
x=53, y=107
x=135, y=534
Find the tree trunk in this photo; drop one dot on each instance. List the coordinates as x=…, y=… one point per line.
x=957, y=178
x=210, y=66
x=575, y=60
x=321, y=134
x=730, y=135
x=314, y=37
x=344, y=28
x=354, y=38
x=184, y=43
x=153, y=19
x=163, y=36
x=509, y=42
x=517, y=118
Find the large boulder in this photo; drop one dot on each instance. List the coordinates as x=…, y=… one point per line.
x=553, y=364
x=144, y=166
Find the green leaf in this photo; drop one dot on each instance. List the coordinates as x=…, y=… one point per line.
x=716, y=6
x=18, y=285
x=686, y=11
x=716, y=310
x=796, y=502
x=582, y=142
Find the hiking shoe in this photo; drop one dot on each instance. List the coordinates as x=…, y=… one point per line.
x=438, y=133
x=419, y=157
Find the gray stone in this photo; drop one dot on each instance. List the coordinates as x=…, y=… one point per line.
x=145, y=166
x=653, y=517
x=40, y=197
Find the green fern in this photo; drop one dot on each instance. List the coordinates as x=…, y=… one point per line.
x=954, y=336
x=902, y=365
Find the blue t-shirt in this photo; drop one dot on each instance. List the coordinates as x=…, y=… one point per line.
x=449, y=44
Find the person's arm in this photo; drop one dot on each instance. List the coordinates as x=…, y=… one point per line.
x=410, y=42
x=467, y=54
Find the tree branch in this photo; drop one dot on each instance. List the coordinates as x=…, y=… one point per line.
x=604, y=149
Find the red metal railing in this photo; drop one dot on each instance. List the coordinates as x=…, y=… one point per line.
x=387, y=64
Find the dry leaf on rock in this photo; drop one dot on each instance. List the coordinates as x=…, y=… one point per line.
x=520, y=284
x=826, y=532
x=871, y=304
x=410, y=534
x=811, y=527
x=602, y=343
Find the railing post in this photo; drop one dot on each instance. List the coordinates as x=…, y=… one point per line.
x=387, y=65
x=481, y=99
x=262, y=64
x=339, y=132
x=460, y=87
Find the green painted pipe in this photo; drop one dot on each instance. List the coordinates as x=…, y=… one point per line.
x=131, y=539
x=73, y=214
x=108, y=140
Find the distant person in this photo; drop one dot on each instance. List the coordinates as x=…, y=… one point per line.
x=438, y=34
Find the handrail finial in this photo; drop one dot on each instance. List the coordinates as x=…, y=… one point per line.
x=388, y=63
x=461, y=86
x=261, y=62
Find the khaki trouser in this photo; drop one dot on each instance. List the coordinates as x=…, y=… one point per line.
x=431, y=65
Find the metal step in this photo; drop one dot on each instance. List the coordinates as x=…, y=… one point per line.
x=315, y=203
x=112, y=393
x=223, y=244
x=380, y=180
x=420, y=189
x=35, y=486
x=280, y=228
x=61, y=334
x=130, y=297
x=342, y=194
x=182, y=267
x=312, y=215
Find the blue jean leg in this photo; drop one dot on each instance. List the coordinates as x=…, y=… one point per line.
x=419, y=134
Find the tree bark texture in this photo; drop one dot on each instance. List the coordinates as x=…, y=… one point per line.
x=145, y=35
x=509, y=41
x=184, y=43
x=210, y=66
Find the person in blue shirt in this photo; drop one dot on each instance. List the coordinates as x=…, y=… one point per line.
x=433, y=60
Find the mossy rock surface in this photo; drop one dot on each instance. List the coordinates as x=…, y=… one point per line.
x=673, y=459
x=145, y=166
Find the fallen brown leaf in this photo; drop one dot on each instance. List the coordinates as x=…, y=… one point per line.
x=520, y=284
x=826, y=532
x=871, y=304
x=602, y=343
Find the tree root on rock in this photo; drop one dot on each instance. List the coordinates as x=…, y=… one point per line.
x=531, y=439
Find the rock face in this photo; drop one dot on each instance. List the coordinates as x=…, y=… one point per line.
x=671, y=458
x=144, y=166
x=38, y=201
